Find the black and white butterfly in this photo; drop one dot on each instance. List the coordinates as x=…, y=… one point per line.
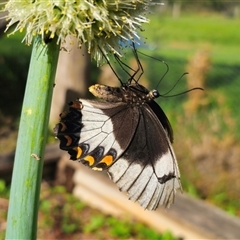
x=127, y=134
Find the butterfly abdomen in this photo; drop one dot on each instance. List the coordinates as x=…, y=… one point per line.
x=133, y=94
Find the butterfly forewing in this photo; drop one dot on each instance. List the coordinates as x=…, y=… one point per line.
x=162, y=118
x=106, y=129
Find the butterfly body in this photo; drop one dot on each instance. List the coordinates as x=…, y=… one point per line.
x=129, y=93
x=127, y=134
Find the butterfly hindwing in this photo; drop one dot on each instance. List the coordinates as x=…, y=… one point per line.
x=148, y=169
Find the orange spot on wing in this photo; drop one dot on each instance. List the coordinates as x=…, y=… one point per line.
x=79, y=152
x=69, y=140
x=90, y=160
x=107, y=160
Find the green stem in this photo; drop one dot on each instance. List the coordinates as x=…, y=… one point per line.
x=27, y=172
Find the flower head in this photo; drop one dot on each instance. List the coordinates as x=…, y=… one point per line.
x=93, y=22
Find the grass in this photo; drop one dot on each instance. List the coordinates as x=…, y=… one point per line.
x=200, y=28
x=181, y=37
x=72, y=219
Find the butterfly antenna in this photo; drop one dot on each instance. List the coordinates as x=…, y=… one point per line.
x=165, y=94
x=192, y=89
x=167, y=70
x=184, y=92
x=108, y=62
x=175, y=84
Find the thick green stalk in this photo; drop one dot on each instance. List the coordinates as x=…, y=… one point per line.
x=27, y=172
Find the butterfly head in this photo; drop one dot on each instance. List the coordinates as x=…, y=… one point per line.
x=154, y=94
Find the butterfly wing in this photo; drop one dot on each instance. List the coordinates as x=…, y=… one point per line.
x=130, y=142
x=104, y=131
x=148, y=169
x=162, y=118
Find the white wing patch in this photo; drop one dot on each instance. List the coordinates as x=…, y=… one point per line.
x=118, y=169
x=98, y=127
x=142, y=184
x=125, y=185
x=136, y=190
x=165, y=165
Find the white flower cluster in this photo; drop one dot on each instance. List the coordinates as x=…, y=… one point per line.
x=96, y=23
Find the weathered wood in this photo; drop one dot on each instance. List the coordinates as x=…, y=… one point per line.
x=207, y=218
x=188, y=217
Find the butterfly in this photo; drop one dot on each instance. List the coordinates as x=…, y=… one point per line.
x=127, y=134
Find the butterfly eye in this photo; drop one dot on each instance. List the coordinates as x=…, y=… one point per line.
x=154, y=94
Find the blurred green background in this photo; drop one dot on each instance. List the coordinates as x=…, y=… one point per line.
x=201, y=38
